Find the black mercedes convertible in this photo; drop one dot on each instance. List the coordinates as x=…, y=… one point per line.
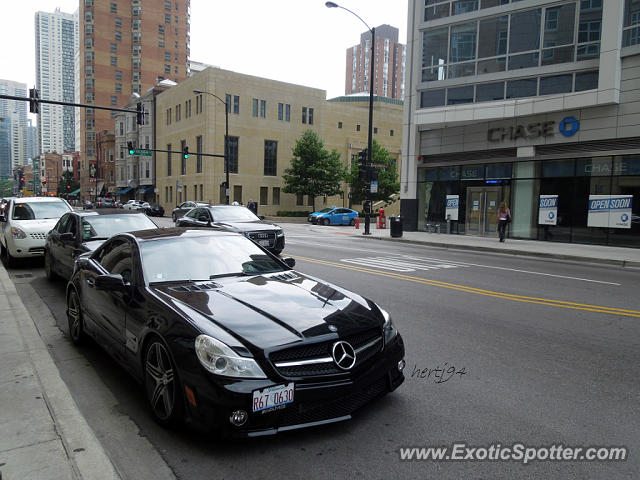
x=223, y=334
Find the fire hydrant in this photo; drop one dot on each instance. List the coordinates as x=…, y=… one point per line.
x=382, y=220
x=357, y=222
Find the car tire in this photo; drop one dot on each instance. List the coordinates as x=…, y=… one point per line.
x=326, y=221
x=9, y=260
x=48, y=270
x=162, y=384
x=352, y=222
x=74, y=318
x=173, y=217
x=276, y=251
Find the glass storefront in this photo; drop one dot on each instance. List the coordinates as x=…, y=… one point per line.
x=480, y=189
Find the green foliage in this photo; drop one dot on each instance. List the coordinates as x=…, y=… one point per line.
x=314, y=171
x=6, y=188
x=67, y=179
x=388, y=183
x=285, y=213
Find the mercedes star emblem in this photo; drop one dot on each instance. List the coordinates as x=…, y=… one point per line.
x=344, y=355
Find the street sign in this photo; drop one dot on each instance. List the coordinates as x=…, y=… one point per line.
x=374, y=187
x=144, y=153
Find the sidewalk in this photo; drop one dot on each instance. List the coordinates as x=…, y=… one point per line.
x=621, y=256
x=43, y=434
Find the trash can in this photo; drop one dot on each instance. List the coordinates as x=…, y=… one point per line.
x=395, y=224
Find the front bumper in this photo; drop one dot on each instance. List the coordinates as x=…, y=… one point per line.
x=32, y=246
x=317, y=401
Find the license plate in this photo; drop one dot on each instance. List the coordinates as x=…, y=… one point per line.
x=273, y=396
x=265, y=243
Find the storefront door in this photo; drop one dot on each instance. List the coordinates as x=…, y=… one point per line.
x=482, y=211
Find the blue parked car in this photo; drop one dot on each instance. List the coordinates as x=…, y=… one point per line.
x=334, y=216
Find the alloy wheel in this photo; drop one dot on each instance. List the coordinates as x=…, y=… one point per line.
x=161, y=384
x=74, y=316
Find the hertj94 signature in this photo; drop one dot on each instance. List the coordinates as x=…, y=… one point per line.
x=438, y=374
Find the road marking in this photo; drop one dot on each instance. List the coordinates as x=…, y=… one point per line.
x=478, y=291
x=404, y=263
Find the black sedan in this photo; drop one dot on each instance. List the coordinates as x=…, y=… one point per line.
x=237, y=219
x=227, y=336
x=154, y=210
x=78, y=232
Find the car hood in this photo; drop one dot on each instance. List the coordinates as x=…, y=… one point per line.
x=37, y=225
x=319, y=214
x=276, y=309
x=247, y=226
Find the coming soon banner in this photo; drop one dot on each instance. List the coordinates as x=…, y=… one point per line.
x=610, y=211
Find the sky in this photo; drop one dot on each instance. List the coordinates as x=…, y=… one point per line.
x=295, y=41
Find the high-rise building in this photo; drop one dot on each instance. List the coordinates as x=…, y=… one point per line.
x=56, y=44
x=125, y=48
x=33, y=149
x=534, y=103
x=16, y=111
x=388, y=67
x=5, y=147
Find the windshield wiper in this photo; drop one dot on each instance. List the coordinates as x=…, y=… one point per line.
x=233, y=274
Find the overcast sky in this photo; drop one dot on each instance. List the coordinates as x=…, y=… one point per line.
x=296, y=41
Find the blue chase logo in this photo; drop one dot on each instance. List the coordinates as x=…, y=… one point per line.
x=569, y=126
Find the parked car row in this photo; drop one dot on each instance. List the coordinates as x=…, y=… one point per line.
x=151, y=209
x=221, y=332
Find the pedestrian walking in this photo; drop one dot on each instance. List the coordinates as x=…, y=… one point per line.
x=504, y=218
x=253, y=206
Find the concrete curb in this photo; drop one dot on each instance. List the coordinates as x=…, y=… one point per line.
x=512, y=251
x=85, y=455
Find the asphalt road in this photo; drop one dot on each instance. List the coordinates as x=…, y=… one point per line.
x=544, y=352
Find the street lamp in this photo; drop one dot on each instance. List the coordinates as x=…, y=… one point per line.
x=367, y=191
x=226, y=139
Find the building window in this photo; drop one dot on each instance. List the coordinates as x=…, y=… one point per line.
x=339, y=124
x=304, y=114
x=167, y=56
x=118, y=22
x=275, y=196
x=168, y=116
x=631, y=23
x=357, y=128
x=161, y=29
x=264, y=195
x=114, y=100
x=299, y=199
x=287, y=113
x=310, y=116
x=236, y=104
x=166, y=194
x=113, y=8
x=161, y=43
x=280, y=111
x=113, y=47
x=227, y=102
x=168, y=160
x=198, y=154
x=232, y=152
x=114, y=61
x=200, y=192
x=178, y=112
x=167, y=18
x=167, y=5
x=255, y=107
x=118, y=88
x=199, y=104
x=167, y=69
x=391, y=133
x=263, y=108
x=119, y=75
x=270, y=157
x=187, y=109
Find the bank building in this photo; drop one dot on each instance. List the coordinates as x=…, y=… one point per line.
x=531, y=102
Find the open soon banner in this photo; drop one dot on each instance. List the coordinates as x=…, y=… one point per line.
x=548, y=210
x=451, y=210
x=610, y=211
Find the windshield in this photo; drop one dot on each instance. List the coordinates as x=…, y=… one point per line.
x=232, y=214
x=203, y=258
x=104, y=226
x=39, y=210
x=325, y=210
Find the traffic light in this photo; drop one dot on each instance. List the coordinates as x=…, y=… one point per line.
x=362, y=164
x=44, y=181
x=139, y=114
x=185, y=152
x=33, y=100
x=68, y=187
x=21, y=182
x=130, y=147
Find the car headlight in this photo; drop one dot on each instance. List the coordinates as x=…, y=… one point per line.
x=17, y=233
x=388, y=328
x=280, y=233
x=220, y=359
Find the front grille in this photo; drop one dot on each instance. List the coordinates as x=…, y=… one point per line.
x=38, y=250
x=263, y=236
x=38, y=235
x=369, y=341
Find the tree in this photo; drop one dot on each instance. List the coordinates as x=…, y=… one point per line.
x=67, y=184
x=6, y=188
x=314, y=171
x=388, y=184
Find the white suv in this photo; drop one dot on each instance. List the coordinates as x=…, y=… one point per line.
x=25, y=223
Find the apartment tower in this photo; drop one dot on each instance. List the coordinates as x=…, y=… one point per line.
x=388, y=66
x=126, y=47
x=56, y=43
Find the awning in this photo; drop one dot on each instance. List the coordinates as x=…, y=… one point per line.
x=75, y=192
x=123, y=191
x=145, y=189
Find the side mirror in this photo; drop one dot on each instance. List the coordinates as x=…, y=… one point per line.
x=291, y=262
x=111, y=282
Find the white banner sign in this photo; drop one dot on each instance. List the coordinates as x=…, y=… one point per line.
x=548, y=210
x=452, y=207
x=610, y=211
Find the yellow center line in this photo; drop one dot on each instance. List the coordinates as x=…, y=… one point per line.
x=479, y=291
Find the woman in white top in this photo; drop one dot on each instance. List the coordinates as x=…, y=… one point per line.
x=504, y=217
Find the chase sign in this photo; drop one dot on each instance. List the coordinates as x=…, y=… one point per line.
x=568, y=127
